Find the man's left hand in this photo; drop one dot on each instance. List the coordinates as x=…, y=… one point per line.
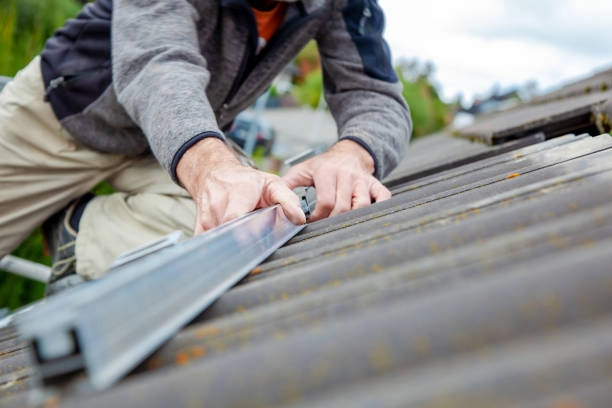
x=342, y=177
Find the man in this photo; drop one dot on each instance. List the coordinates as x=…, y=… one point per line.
x=128, y=78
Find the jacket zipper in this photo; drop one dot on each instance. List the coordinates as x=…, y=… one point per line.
x=284, y=32
x=365, y=16
x=64, y=80
x=253, y=39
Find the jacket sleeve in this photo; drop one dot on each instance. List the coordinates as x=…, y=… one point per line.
x=361, y=87
x=160, y=76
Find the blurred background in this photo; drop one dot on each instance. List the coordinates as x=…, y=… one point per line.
x=456, y=60
x=480, y=46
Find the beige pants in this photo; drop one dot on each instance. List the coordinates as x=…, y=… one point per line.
x=42, y=168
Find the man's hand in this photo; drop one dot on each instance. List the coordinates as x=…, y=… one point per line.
x=343, y=179
x=224, y=189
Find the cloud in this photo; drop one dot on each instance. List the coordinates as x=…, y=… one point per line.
x=576, y=26
x=480, y=43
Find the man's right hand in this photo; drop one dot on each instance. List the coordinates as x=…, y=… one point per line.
x=223, y=189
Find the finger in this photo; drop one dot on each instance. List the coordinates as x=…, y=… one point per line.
x=379, y=192
x=361, y=195
x=198, y=228
x=207, y=222
x=326, y=197
x=344, y=195
x=279, y=193
x=214, y=212
x=203, y=222
x=298, y=176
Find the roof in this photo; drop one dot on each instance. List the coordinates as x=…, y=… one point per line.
x=484, y=281
x=579, y=107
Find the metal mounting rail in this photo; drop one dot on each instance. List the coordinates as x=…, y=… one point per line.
x=109, y=326
x=25, y=268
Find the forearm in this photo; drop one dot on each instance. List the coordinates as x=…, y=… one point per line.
x=361, y=157
x=160, y=77
x=361, y=87
x=201, y=160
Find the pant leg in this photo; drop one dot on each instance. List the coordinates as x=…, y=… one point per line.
x=147, y=206
x=41, y=167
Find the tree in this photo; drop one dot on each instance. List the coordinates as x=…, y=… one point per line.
x=429, y=113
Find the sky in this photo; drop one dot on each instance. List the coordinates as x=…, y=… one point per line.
x=478, y=44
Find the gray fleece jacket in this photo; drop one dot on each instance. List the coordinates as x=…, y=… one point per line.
x=131, y=75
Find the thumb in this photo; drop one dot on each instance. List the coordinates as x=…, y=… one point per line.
x=288, y=200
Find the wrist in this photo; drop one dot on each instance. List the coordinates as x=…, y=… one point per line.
x=357, y=151
x=200, y=158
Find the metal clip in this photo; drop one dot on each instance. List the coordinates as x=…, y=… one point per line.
x=308, y=199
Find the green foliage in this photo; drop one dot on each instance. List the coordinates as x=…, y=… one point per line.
x=309, y=92
x=103, y=189
x=24, y=27
x=16, y=291
x=259, y=156
x=429, y=112
x=308, y=83
x=309, y=55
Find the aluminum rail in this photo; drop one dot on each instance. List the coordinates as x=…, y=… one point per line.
x=25, y=268
x=108, y=326
x=3, y=81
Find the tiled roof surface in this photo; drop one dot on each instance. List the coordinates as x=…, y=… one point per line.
x=484, y=281
x=582, y=106
x=15, y=366
x=599, y=82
